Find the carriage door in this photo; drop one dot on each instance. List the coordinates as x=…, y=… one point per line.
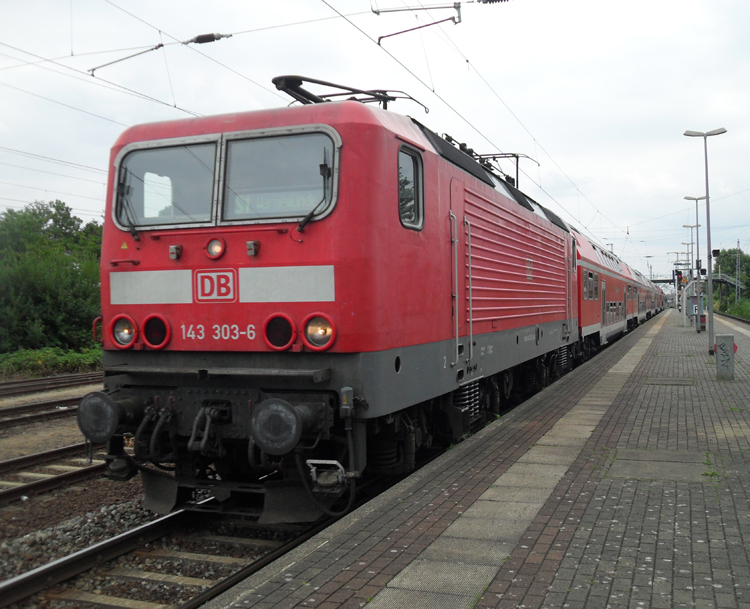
x=624, y=316
x=461, y=297
x=570, y=256
x=603, y=296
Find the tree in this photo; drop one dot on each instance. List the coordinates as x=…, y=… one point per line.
x=49, y=277
x=726, y=263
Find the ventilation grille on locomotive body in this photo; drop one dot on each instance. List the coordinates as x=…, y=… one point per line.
x=467, y=399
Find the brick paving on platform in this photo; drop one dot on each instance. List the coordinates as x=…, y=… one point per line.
x=616, y=542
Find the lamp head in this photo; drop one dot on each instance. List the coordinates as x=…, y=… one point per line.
x=718, y=131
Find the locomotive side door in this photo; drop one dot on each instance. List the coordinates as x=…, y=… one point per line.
x=460, y=299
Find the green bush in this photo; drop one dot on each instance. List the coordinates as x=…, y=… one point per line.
x=50, y=360
x=49, y=278
x=741, y=310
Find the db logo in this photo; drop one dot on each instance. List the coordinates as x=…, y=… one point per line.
x=215, y=285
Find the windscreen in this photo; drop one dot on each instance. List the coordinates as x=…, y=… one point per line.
x=278, y=177
x=166, y=185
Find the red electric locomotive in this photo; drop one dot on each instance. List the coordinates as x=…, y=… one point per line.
x=293, y=298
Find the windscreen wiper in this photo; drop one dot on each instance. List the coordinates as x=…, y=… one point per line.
x=123, y=192
x=325, y=171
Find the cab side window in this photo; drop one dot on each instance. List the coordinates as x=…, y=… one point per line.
x=410, y=196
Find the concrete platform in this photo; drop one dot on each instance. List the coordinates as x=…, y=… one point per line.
x=625, y=484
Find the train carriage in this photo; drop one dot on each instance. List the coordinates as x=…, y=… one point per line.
x=614, y=298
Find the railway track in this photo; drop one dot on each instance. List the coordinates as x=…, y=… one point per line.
x=198, y=559
x=239, y=555
x=11, y=388
x=42, y=481
x=739, y=319
x=38, y=411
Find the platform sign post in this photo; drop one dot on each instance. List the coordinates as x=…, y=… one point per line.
x=725, y=356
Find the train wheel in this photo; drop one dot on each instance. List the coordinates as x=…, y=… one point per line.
x=507, y=384
x=545, y=377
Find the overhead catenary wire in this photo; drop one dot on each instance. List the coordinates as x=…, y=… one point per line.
x=27, y=202
x=53, y=160
x=466, y=120
x=169, y=76
x=62, y=175
x=174, y=42
x=536, y=142
x=98, y=81
x=598, y=212
x=54, y=101
x=23, y=64
x=59, y=192
x=340, y=15
x=257, y=84
x=411, y=61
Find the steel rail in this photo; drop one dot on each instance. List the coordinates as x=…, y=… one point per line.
x=740, y=319
x=11, y=388
x=48, y=379
x=37, y=406
x=29, y=413
x=44, y=457
x=234, y=579
x=36, y=580
x=47, y=484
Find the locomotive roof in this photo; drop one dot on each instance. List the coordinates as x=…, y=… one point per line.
x=592, y=252
x=333, y=113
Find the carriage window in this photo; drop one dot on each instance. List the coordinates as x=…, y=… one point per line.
x=166, y=185
x=410, y=202
x=596, y=286
x=585, y=286
x=591, y=285
x=278, y=177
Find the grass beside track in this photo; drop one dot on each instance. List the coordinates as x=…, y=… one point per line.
x=33, y=363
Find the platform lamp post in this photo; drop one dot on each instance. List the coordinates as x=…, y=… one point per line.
x=692, y=242
x=697, y=239
x=674, y=274
x=697, y=285
x=689, y=254
x=709, y=258
x=685, y=293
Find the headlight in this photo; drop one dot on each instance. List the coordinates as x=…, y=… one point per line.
x=156, y=332
x=215, y=248
x=319, y=332
x=279, y=332
x=123, y=331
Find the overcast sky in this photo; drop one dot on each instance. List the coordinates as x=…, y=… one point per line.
x=598, y=93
